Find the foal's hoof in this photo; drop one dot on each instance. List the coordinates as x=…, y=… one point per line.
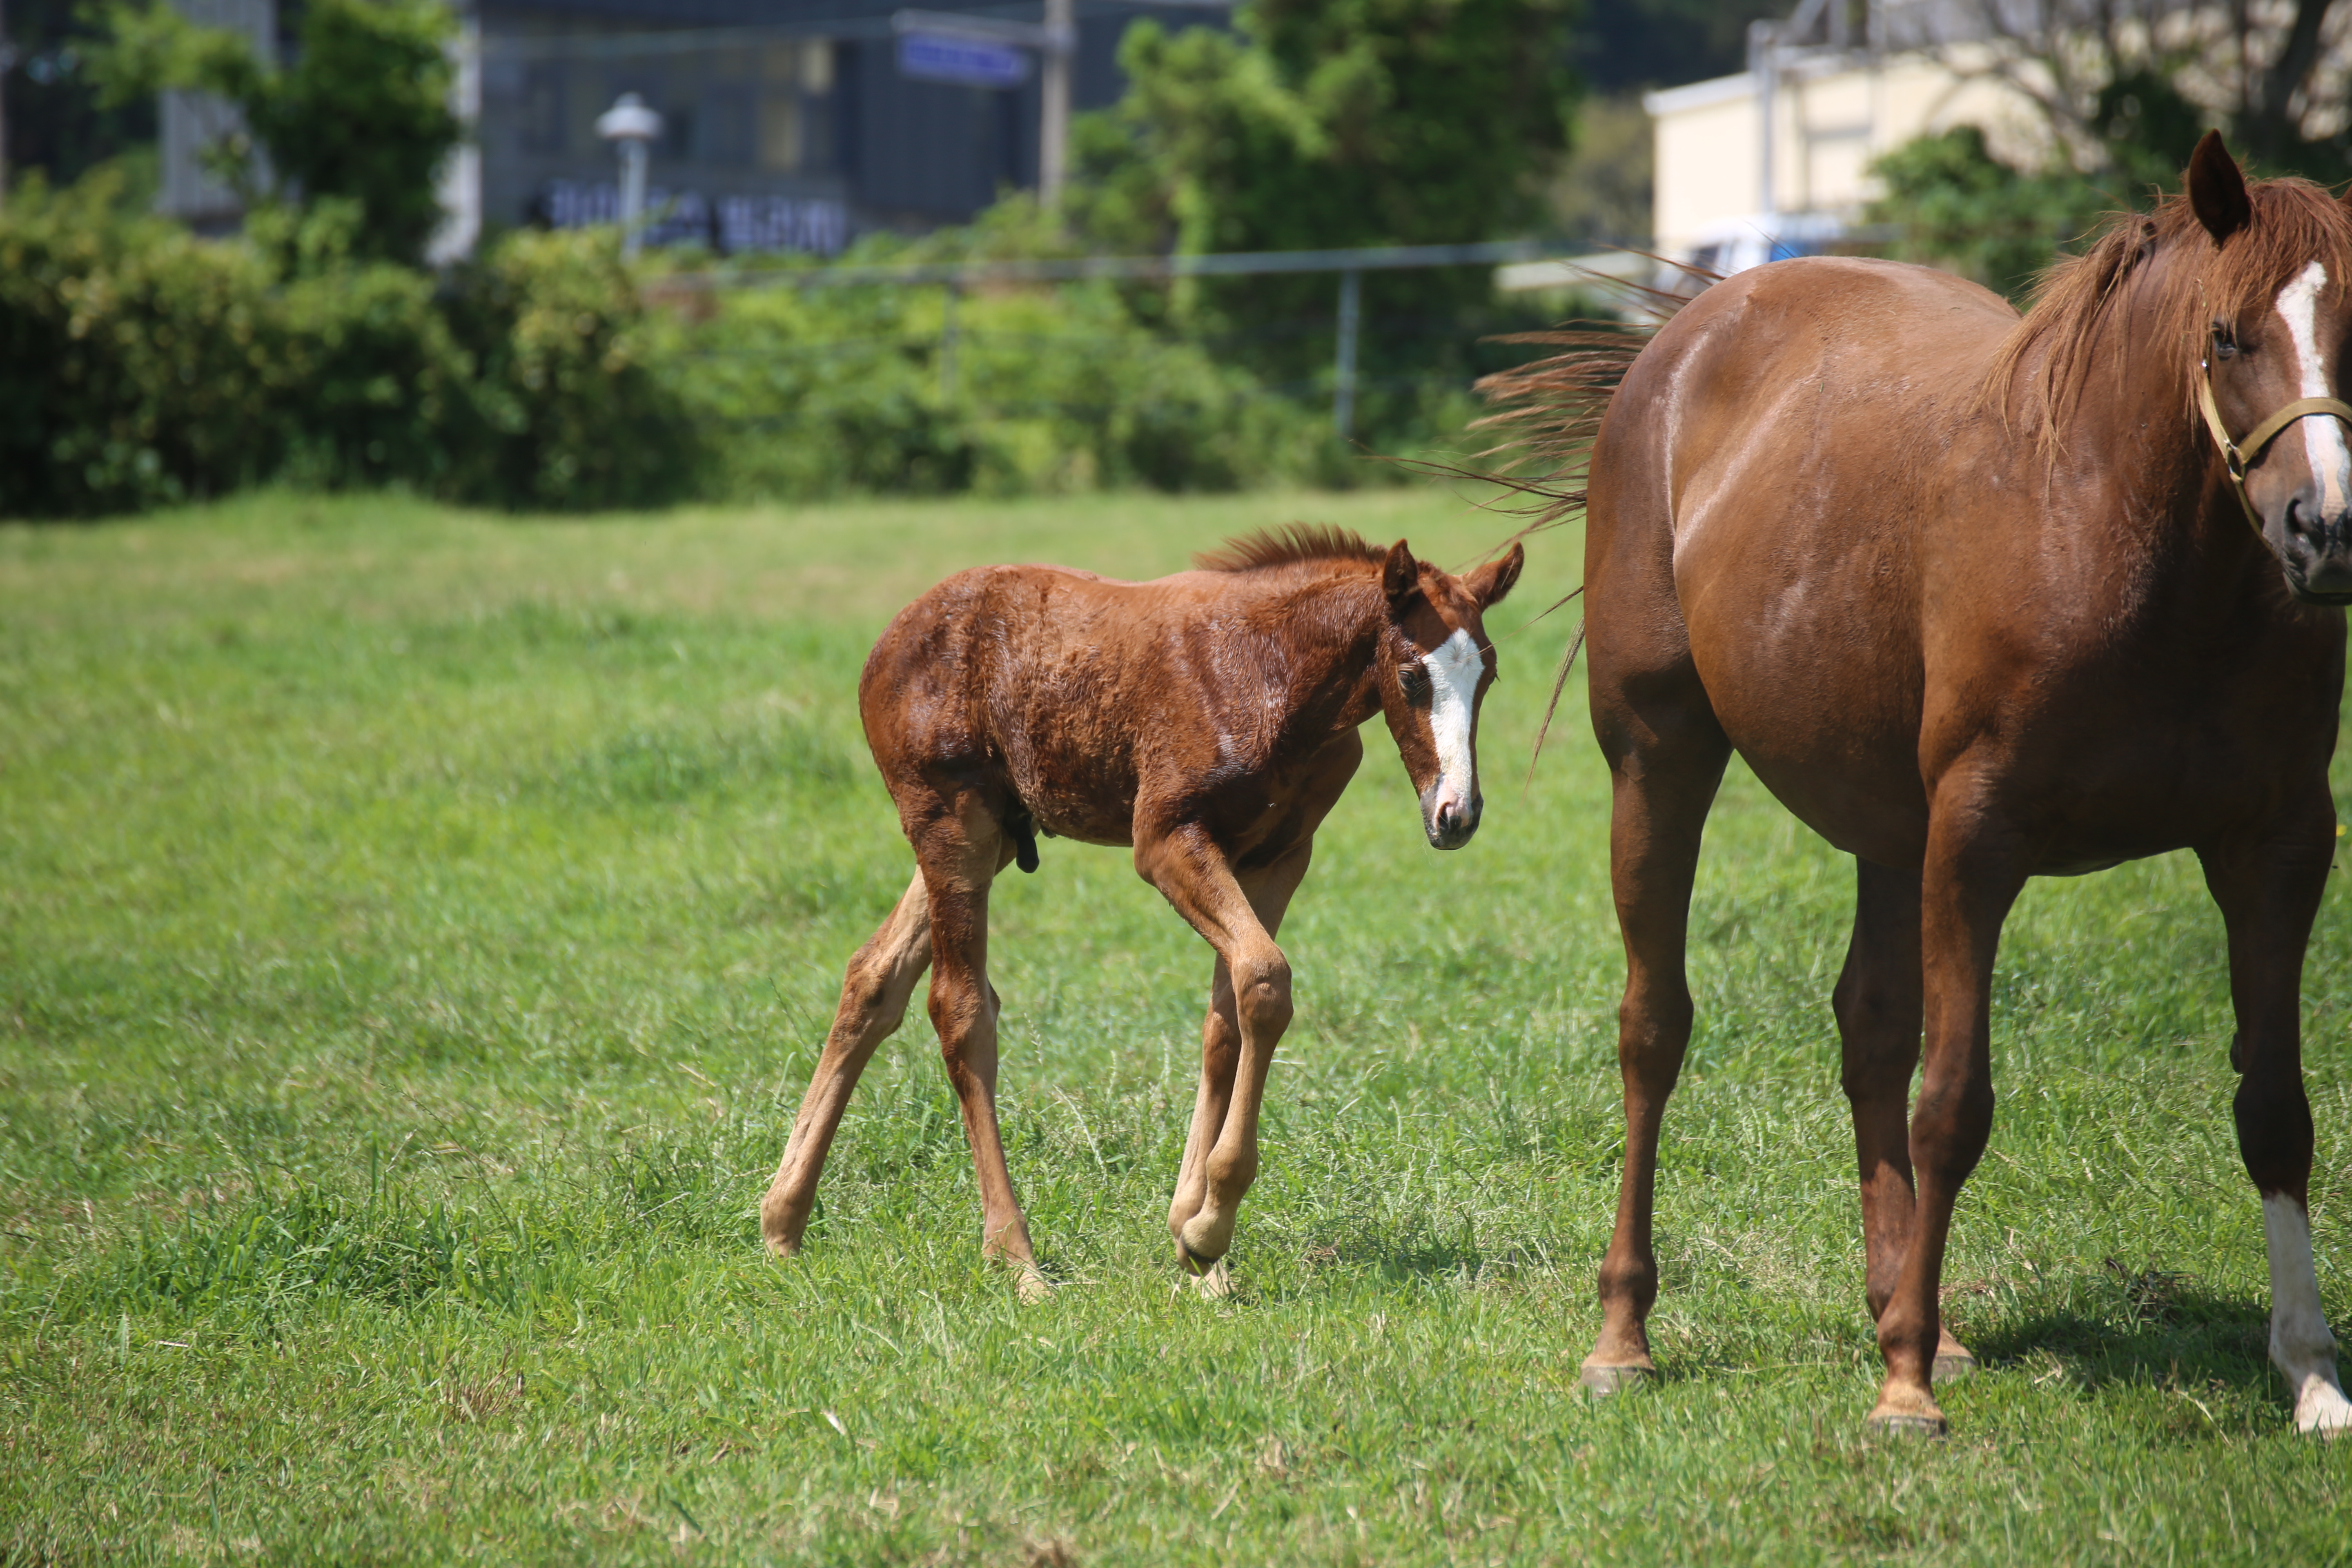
x=1030, y=1285
x=1600, y=1382
x=1902, y=1427
x=1215, y=1283
x=1953, y=1363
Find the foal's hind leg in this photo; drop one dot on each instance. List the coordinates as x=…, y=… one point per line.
x=957, y=872
x=1269, y=890
x=1878, y=1007
x=873, y=1002
x=1666, y=754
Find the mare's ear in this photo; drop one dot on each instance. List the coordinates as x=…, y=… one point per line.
x=1490, y=582
x=1400, y=575
x=2217, y=191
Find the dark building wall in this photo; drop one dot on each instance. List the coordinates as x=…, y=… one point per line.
x=895, y=152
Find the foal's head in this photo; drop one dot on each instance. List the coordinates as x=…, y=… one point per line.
x=1433, y=667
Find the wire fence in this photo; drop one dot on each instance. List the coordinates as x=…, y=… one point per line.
x=1349, y=265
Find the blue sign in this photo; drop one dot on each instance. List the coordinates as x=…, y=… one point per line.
x=966, y=62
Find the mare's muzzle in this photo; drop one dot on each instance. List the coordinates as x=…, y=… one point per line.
x=2316, y=549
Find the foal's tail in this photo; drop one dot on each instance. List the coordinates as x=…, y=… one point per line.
x=1548, y=411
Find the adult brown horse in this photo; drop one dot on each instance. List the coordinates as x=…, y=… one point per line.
x=1207, y=719
x=1976, y=598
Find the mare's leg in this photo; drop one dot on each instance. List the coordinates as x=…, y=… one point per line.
x=1666, y=754
x=1269, y=889
x=1191, y=873
x=873, y=1002
x=2269, y=893
x=1878, y=1014
x=1969, y=879
x=957, y=871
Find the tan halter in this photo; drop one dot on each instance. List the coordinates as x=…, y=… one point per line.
x=2237, y=457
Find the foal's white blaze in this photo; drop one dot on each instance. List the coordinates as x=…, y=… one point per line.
x=2323, y=438
x=1454, y=666
x=2301, y=1347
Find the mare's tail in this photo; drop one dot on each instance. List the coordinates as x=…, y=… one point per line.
x=1547, y=412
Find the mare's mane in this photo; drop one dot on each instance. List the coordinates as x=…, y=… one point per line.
x=2042, y=367
x=1299, y=542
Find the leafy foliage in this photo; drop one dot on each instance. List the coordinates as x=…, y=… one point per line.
x=1314, y=125
x=141, y=365
x=1954, y=205
x=362, y=112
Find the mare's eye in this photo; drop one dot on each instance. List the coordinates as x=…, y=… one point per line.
x=2225, y=341
x=1412, y=679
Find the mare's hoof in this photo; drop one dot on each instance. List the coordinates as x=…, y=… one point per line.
x=1902, y=1427
x=1600, y=1382
x=1030, y=1285
x=1951, y=1365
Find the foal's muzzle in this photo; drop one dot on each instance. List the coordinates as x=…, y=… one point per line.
x=1450, y=823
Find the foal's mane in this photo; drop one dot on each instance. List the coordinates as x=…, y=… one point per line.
x=1299, y=542
x=2039, y=372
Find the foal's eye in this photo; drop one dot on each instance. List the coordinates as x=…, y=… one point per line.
x=1412, y=679
x=2225, y=341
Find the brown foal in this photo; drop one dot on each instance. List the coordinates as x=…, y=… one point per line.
x=1979, y=600
x=1209, y=720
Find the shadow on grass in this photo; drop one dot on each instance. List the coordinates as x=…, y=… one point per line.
x=2120, y=1329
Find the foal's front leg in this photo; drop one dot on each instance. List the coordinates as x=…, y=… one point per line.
x=1191, y=873
x=1269, y=889
x=2269, y=894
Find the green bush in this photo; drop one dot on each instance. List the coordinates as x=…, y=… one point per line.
x=144, y=366
x=140, y=366
x=1953, y=204
x=845, y=389
x=579, y=407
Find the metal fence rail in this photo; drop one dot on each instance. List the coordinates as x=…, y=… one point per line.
x=1349, y=264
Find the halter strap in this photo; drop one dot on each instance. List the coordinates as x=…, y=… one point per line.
x=2237, y=457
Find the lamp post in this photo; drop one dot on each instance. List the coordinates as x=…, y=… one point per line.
x=1061, y=42
x=631, y=127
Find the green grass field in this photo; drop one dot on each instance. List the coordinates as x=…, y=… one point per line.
x=415, y=930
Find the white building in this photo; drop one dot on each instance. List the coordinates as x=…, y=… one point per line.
x=1775, y=161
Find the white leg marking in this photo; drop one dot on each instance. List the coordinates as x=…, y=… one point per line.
x=2323, y=438
x=1454, y=667
x=2301, y=1346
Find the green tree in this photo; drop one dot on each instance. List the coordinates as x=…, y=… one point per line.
x=1332, y=123
x=360, y=116
x=1953, y=204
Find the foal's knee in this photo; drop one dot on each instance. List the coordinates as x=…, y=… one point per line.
x=1262, y=993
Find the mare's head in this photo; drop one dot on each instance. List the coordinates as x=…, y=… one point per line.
x=2279, y=319
x=1433, y=667
x=2246, y=288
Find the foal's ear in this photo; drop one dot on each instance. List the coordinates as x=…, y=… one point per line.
x=1400, y=575
x=1490, y=582
x=2217, y=190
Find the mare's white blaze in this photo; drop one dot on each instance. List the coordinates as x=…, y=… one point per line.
x=1454, y=667
x=2323, y=438
x=2301, y=1347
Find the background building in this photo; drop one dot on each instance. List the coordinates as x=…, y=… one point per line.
x=787, y=124
x=1775, y=161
